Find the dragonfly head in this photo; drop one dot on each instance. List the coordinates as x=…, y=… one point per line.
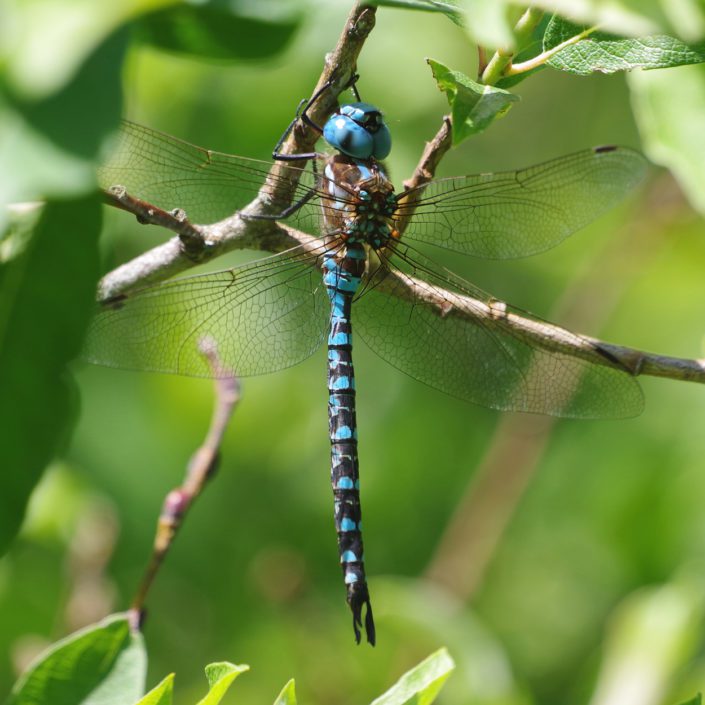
x=358, y=130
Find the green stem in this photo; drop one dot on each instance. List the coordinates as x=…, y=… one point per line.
x=542, y=58
x=502, y=58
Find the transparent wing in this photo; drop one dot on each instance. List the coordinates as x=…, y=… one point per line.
x=519, y=213
x=468, y=345
x=264, y=316
x=207, y=185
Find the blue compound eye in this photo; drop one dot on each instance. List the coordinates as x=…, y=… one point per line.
x=347, y=136
x=358, y=130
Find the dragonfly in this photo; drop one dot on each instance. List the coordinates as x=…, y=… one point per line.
x=368, y=265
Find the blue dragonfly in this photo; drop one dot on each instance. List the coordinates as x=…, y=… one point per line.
x=364, y=261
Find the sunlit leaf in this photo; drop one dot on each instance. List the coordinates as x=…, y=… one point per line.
x=668, y=106
x=421, y=684
x=474, y=106
x=607, y=53
x=288, y=695
x=103, y=664
x=220, y=677
x=488, y=23
x=161, y=694
x=652, y=634
x=46, y=301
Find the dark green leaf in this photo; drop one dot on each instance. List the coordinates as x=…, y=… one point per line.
x=608, y=53
x=697, y=700
x=46, y=300
x=217, y=30
x=103, y=664
x=421, y=684
x=474, y=106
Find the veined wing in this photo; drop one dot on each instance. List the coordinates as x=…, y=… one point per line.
x=519, y=213
x=171, y=173
x=448, y=334
x=263, y=316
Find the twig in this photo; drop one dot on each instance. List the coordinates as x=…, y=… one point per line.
x=199, y=470
x=191, y=237
x=502, y=58
x=465, y=551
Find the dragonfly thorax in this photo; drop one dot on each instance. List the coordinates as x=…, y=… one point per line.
x=363, y=202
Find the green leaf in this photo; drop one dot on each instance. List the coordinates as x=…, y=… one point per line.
x=668, y=107
x=160, y=694
x=46, y=300
x=448, y=7
x=652, y=633
x=219, y=30
x=288, y=695
x=697, y=700
x=49, y=145
x=220, y=676
x=608, y=53
x=421, y=684
x=72, y=29
x=473, y=106
x=103, y=664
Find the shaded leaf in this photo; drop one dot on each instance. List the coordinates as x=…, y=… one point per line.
x=288, y=695
x=473, y=106
x=668, y=107
x=608, y=53
x=697, y=700
x=103, y=664
x=447, y=7
x=421, y=684
x=160, y=694
x=46, y=301
x=220, y=677
x=217, y=30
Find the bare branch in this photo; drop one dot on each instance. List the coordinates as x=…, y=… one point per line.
x=199, y=470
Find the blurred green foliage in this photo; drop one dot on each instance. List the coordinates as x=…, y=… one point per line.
x=594, y=593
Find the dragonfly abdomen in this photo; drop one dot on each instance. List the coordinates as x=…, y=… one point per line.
x=342, y=278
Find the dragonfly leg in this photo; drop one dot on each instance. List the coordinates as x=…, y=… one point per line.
x=287, y=211
x=302, y=113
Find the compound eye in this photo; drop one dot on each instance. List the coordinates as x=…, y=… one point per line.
x=344, y=134
x=382, y=142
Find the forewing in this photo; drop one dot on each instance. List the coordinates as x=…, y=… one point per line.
x=262, y=317
x=170, y=173
x=450, y=335
x=518, y=213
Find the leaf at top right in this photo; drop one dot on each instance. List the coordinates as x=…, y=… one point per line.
x=600, y=52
